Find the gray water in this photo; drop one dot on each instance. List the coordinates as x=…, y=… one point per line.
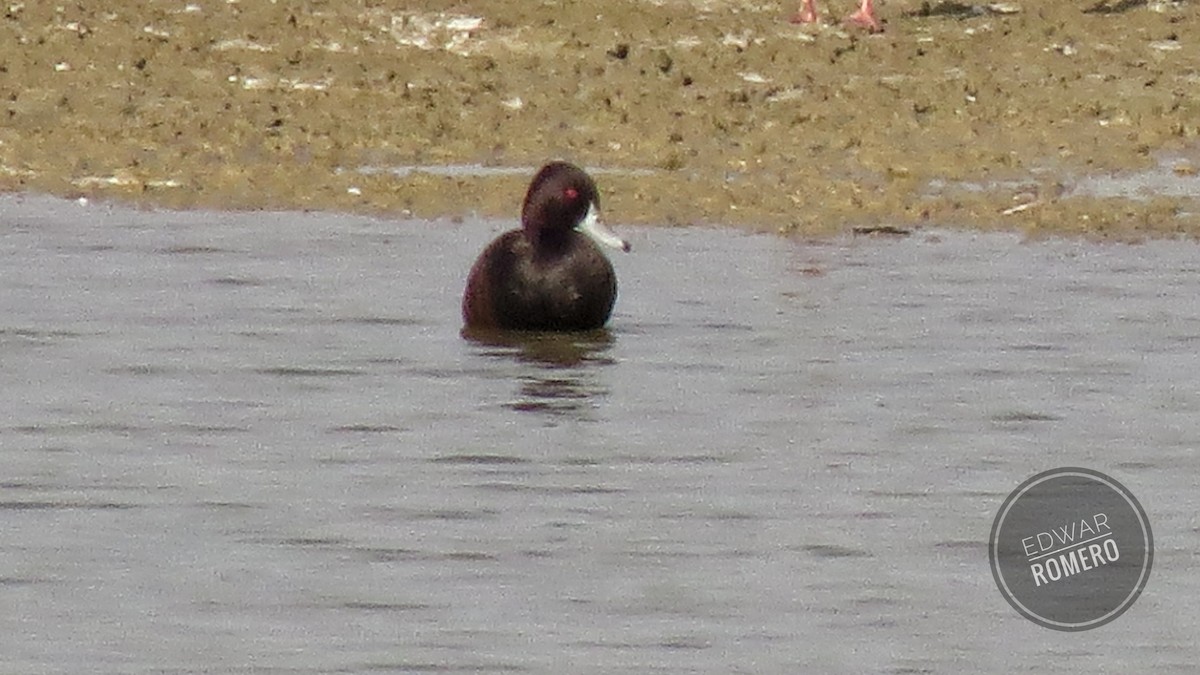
x=257, y=443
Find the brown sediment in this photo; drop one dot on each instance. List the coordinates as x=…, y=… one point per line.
x=716, y=111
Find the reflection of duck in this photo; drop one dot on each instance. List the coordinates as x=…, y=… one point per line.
x=551, y=350
x=864, y=17
x=557, y=374
x=547, y=275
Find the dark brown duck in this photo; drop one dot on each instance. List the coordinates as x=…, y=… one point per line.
x=549, y=275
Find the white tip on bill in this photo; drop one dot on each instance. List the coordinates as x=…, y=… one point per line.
x=596, y=229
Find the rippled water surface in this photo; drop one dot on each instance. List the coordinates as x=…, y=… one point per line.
x=257, y=443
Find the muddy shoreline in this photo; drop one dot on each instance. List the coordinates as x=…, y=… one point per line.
x=980, y=116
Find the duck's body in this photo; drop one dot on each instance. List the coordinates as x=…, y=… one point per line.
x=548, y=275
x=513, y=286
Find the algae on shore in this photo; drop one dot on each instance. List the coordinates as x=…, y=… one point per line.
x=704, y=110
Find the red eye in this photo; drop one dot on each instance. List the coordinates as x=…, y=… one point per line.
x=570, y=193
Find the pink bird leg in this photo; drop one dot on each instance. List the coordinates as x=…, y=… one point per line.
x=807, y=13
x=863, y=18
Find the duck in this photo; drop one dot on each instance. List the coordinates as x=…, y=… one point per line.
x=548, y=275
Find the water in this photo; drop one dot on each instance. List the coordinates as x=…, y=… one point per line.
x=1174, y=176
x=257, y=443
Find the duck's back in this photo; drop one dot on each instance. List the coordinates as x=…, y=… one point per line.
x=512, y=288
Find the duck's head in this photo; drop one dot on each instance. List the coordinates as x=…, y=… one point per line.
x=562, y=198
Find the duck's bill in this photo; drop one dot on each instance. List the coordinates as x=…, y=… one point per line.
x=596, y=229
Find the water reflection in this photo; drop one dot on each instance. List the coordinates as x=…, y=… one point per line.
x=562, y=380
x=551, y=350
